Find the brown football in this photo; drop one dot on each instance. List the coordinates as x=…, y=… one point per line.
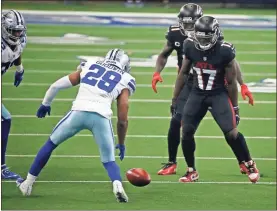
x=138, y=177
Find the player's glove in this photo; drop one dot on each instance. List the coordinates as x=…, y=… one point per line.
x=245, y=92
x=155, y=79
x=172, y=109
x=236, y=110
x=121, y=148
x=173, y=106
x=18, y=77
x=43, y=110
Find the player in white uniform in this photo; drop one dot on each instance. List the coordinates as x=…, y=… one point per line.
x=13, y=41
x=101, y=82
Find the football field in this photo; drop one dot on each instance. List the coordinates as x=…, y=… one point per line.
x=75, y=178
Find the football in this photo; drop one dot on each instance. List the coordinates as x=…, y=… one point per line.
x=138, y=177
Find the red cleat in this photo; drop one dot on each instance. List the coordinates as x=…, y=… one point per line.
x=251, y=170
x=168, y=169
x=190, y=176
x=243, y=169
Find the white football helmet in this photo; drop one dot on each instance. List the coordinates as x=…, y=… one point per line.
x=121, y=57
x=13, y=27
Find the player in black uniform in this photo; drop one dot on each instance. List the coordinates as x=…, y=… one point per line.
x=175, y=36
x=213, y=62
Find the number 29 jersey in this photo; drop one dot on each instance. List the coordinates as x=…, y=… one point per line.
x=100, y=84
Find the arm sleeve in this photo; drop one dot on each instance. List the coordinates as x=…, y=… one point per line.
x=62, y=83
x=186, y=44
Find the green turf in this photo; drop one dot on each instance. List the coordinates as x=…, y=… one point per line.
x=60, y=60
x=119, y=7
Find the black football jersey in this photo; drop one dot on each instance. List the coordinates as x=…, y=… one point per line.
x=175, y=39
x=209, y=66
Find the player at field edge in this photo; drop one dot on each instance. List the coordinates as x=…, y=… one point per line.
x=101, y=82
x=13, y=42
x=213, y=63
x=176, y=36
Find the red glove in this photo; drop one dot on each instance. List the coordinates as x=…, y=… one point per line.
x=155, y=79
x=245, y=92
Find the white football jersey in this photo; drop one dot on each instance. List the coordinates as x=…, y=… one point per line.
x=8, y=56
x=101, y=83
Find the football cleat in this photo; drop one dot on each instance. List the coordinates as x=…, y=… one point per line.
x=190, y=176
x=168, y=168
x=251, y=170
x=7, y=174
x=243, y=170
x=119, y=192
x=24, y=186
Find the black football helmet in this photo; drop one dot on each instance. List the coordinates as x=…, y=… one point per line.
x=206, y=32
x=187, y=17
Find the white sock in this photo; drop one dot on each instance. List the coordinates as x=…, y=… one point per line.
x=31, y=178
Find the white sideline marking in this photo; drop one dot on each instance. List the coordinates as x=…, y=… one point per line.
x=152, y=182
x=154, y=51
x=35, y=60
x=131, y=100
x=135, y=157
x=145, y=117
x=143, y=136
x=165, y=72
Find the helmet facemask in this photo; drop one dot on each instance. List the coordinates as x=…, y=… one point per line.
x=12, y=31
x=206, y=40
x=186, y=25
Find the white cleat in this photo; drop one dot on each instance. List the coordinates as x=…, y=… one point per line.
x=119, y=192
x=24, y=186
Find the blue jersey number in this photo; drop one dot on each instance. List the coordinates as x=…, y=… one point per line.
x=105, y=80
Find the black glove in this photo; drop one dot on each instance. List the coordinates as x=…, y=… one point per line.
x=173, y=107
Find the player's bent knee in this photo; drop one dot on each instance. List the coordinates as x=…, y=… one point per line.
x=188, y=131
x=231, y=135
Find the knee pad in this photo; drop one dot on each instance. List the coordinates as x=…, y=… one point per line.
x=188, y=131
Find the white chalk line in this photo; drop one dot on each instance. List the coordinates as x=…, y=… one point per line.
x=131, y=100
x=136, y=157
x=152, y=182
x=145, y=136
x=165, y=72
x=154, y=51
x=147, y=117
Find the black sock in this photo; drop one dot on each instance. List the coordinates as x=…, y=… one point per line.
x=173, y=139
x=239, y=147
x=188, y=147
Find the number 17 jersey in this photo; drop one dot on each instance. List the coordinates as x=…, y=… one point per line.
x=100, y=84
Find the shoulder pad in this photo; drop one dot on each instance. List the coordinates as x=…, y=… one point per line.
x=229, y=46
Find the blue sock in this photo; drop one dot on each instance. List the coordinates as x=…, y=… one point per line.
x=5, y=127
x=113, y=170
x=42, y=157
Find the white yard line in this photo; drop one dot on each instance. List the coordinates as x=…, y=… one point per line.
x=147, y=117
x=145, y=136
x=136, y=157
x=152, y=182
x=154, y=51
x=35, y=60
x=131, y=100
x=165, y=72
